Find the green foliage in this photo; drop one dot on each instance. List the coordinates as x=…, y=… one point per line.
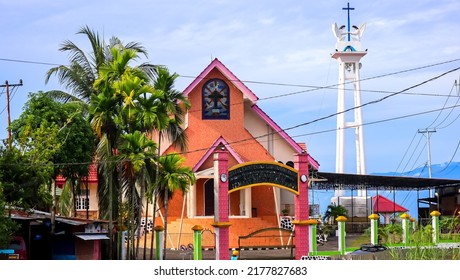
x=394, y=228
x=22, y=181
x=78, y=143
x=7, y=225
x=123, y=102
x=422, y=248
x=56, y=139
x=173, y=176
x=65, y=204
x=50, y=132
x=124, y=216
x=333, y=211
x=449, y=225
x=391, y=233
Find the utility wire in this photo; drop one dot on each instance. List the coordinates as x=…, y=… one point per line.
x=407, y=150
x=440, y=112
x=374, y=101
x=29, y=62
x=418, y=157
x=377, y=122
x=451, y=159
x=241, y=142
x=14, y=90
x=347, y=110
x=312, y=88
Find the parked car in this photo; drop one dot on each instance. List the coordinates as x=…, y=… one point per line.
x=19, y=246
x=369, y=248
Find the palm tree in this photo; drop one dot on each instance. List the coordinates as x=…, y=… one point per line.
x=79, y=76
x=173, y=176
x=174, y=104
x=114, y=113
x=135, y=151
x=333, y=211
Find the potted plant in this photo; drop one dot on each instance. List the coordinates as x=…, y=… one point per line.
x=285, y=212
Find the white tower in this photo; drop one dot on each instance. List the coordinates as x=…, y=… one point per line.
x=348, y=53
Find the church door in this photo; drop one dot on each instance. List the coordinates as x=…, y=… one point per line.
x=209, y=198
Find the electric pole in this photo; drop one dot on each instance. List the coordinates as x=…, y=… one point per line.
x=7, y=86
x=427, y=132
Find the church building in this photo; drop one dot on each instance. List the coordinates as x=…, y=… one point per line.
x=224, y=115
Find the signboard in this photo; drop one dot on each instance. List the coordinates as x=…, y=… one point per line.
x=248, y=175
x=8, y=254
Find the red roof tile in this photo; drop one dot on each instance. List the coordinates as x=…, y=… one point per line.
x=92, y=176
x=384, y=205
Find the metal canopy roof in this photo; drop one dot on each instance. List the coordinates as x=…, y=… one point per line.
x=89, y=236
x=332, y=181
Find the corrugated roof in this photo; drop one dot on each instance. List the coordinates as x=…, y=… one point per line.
x=86, y=236
x=344, y=181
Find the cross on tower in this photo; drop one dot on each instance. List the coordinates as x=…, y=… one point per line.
x=348, y=10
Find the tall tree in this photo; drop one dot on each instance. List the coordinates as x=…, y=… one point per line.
x=22, y=182
x=136, y=151
x=112, y=113
x=79, y=76
x=117, y=111
x=175, y=104
x=173, y=176
x=56, y=137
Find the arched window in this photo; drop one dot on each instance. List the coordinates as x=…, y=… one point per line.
x=216, y=100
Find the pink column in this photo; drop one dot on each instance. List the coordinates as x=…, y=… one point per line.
x=301, y=207
x=96, y=249
x=221, y=221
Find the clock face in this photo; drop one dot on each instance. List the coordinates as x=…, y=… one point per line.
x=303, y=178
x=216, y=100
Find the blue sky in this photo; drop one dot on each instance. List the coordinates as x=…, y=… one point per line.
x=278, y=48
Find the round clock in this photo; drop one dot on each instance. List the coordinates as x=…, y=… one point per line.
x=223, y=177
x=216, y=100
x=303, y=178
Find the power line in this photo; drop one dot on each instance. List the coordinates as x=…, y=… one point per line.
x=29, y=62
x=239, y=142
x=311, y=87
x=440, y=112
x=405, y=153
x=452, y=158
x=413, y=153
x=350, y=109
x=379, y=121
x=374, y=101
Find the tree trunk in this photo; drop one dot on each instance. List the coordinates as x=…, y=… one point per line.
x=153, y=225
x=74, y=197
x=145, y=227
x=155, y=196
x=166, y=222
x=53, y=209
x=139, y=218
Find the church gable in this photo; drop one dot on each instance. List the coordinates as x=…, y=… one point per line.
x=207, y=159
x=227, y=76
x=222, y=107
